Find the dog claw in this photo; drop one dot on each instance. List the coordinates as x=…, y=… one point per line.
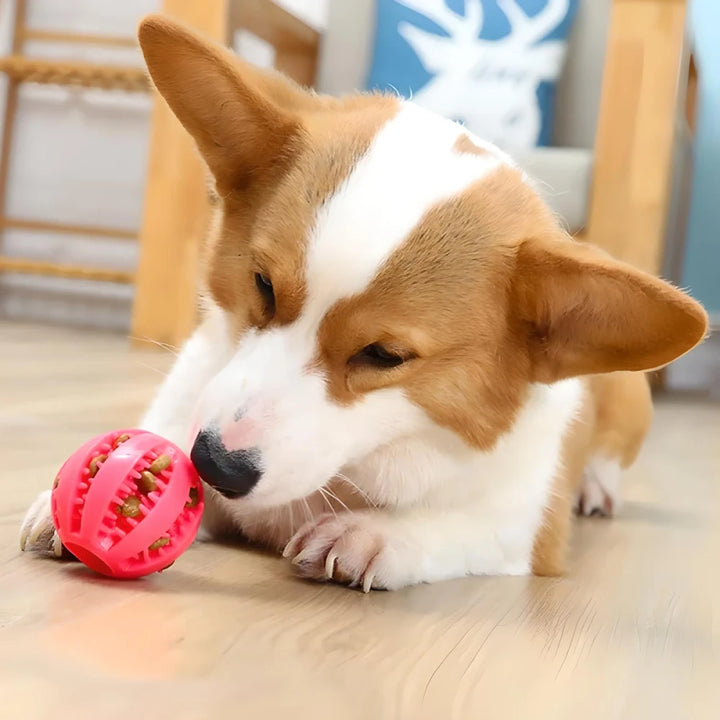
x=368, y=582
x=330, y=564
x=301, y=557
x=57, y=545
x=292, y=547
x=35, y=533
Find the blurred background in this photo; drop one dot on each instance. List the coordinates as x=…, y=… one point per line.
x=612, y=105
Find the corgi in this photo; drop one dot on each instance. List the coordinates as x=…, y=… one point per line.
x=406, y=370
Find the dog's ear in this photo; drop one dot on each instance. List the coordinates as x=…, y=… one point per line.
x=243, y=119
x=582, y=312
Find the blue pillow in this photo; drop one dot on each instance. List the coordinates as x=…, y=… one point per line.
x=490, y=64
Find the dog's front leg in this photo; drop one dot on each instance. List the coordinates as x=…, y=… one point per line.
x=172, y=412
x=170, y=415
x=389, y=549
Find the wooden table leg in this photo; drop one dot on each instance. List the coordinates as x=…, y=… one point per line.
x=176, y=207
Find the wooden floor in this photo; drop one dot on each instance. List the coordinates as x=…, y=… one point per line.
x=632, y=632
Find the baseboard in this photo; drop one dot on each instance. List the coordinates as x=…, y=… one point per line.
x=699, y=370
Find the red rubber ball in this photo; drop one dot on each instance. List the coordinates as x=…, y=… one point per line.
x=127, y=503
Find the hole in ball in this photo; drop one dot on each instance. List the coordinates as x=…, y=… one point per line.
x=90, y=559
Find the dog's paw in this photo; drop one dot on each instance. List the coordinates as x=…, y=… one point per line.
x=351, y=548
x=600, y=491
x=37, y=533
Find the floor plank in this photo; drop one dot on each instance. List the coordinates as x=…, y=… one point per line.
x=632, y=632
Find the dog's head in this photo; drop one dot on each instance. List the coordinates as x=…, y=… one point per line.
x=384, y=275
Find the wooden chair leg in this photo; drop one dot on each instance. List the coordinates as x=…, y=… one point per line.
x=634, y=144
x=176, y=208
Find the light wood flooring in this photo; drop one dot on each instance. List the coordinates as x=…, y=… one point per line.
x=632, y=632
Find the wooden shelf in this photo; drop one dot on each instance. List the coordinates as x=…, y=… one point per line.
x=81, y=74
x=36, y=267
x=68, y=229
x=20, y=69
x=77, y=38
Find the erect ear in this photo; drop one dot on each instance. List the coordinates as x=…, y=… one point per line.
x=586, y=313
x=243, y=119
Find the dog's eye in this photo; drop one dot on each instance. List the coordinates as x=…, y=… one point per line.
x=377, y=356
x=265, y=287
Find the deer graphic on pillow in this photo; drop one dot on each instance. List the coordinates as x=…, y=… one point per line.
x=489, y=85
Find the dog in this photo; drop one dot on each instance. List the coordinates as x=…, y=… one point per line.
x=406, y=370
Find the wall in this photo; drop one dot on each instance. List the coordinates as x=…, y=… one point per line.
x=702, y=264
x=79, y=156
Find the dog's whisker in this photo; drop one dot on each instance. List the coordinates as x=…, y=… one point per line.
x=335, y=497
x=308, y=511
x=327, y=500
x=292, y=518
x=358, y=489
x=165, y=346
x=154, y=369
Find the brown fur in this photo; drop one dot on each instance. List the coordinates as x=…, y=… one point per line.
x=465, y=145
x=551, y=541
x=276, y=153
x=486, y=295
x=587, y=313
x=613, y=422
x=558, y=309
x=431, y=301
x=268, y=232
x=623, y=413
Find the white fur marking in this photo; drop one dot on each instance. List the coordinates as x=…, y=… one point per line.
x=409, y=168
x=601, y=487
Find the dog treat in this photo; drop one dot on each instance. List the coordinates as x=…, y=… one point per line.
x=95, y=464
x=160, y=542
x=131, y=506
x=194, y=496
x=159, y=464
x=121, y=439
x=147, y=482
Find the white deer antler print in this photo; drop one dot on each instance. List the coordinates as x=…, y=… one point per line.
x=490, y=85
x=467, y=27
x=531, y=29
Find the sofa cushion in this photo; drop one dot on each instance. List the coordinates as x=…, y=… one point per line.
x=491, y=65
x=562, y=177
x=347, y=47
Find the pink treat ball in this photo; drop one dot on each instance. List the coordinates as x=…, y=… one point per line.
x=127, y=503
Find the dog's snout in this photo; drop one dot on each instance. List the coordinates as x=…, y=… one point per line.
x=232, y=473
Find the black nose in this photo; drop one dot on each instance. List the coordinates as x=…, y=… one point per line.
x=233, y=474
